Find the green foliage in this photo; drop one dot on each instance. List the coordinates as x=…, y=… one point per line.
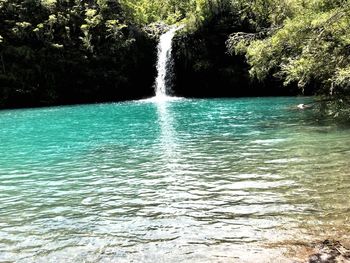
x=192, y=13
x=148, y=11
x=311, y=45
x=52, y=50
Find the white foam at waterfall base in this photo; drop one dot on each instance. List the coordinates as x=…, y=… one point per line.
x=164, y=68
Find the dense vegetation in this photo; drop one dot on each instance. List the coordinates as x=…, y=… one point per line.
x=67, y=51
x=309, y=46
x=58, y=52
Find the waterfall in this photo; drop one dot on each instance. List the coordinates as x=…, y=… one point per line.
x=164, y=63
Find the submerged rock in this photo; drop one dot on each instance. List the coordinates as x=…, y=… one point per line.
x=330, y=252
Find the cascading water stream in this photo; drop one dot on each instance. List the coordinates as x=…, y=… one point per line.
x=168, y=144
x=164, y=63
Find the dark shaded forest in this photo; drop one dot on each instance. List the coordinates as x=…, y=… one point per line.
x=55, y=52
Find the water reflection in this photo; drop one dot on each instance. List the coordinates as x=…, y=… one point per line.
x=168, y=139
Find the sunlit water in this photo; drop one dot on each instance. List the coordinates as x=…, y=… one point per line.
x=239, y=180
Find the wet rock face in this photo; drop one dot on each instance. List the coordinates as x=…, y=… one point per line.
x=204, y=68
x=155, y=30
x=330, y=252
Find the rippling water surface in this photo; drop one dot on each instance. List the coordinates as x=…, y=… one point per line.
x=182, y=181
